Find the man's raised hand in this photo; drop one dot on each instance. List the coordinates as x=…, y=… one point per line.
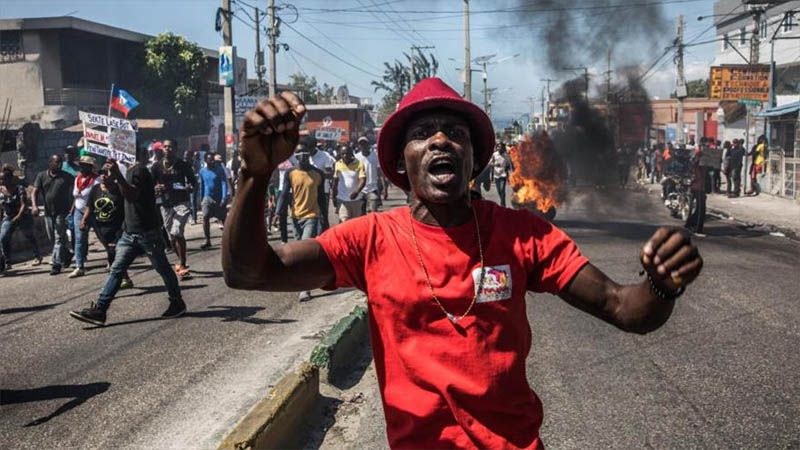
x=270, y=133
x=671, y=259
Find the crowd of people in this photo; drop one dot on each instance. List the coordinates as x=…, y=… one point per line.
x=704, y=163
x=80, y=194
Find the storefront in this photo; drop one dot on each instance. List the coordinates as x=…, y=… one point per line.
x=783, y=162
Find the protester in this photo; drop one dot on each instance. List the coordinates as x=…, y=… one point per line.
x=303, y=184
x=84, y=183
x=214, y=188
x=195, y=161
x=55, y=185
x=175, y=181
x=698, y=190
x=349, y=179
x=14, y=201
x=69, y=165
x=375, y=181
x=156, y=153
x=283, y=201
x=757, y=160
x=726, y=166
x=106, y=210
x=501, y=167
x=446, y=277
x=735, y=161
x=141, y=236
x=324, y=162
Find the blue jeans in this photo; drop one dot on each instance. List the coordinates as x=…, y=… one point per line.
x=56, y=227
x=7, y=229
x=131, y=246
x=306, y=228
x=81, y=239
x=282, y=210
x=500, y=184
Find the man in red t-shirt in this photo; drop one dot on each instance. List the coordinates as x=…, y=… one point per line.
x=446, y=277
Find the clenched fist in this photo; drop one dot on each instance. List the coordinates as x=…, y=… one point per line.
x=671, y=259
x=270, y=133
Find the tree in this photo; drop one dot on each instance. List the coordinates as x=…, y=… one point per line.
x=309, y=90
x=175, y=70
x=398, y=78
x=695, y=88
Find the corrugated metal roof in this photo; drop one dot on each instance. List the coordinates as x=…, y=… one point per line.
x=789, y=108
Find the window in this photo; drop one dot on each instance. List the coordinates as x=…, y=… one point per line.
x=788, y=23
x=762, y=28
x=11, y=46
x=725, y=41
x=742, y=34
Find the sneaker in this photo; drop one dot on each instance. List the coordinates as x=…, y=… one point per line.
x=176, y=309
x=126, y=284
x=92, y=314
x=37, y=261
x=304, y=296
x=206, y=246
x=78, y=272
x=55, y=270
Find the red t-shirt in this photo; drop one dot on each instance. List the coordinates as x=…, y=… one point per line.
x=447, y=385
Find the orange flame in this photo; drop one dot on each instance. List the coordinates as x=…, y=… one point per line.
x=537, y=178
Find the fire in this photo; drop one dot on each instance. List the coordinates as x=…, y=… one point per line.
x=538, y=177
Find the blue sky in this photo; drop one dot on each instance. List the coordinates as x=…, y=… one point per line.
x=382, y=33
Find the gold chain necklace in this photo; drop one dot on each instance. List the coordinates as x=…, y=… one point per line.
x=449, y=315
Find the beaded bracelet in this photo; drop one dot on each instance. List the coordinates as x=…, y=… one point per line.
x=662, y=294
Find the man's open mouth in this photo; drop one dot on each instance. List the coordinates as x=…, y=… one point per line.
x=442, y=169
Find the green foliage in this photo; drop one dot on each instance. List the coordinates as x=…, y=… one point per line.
x=175, y=71
x=695, y=88
x=398, y=77
x=309, y=89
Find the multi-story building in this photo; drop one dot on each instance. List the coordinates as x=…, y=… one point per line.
x=50, y=68
x=765, y=32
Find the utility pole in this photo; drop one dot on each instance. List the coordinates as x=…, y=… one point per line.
x=273, y=48
x=546, y=102
x=413, y=66
x=755, y=39
x=259, y=54
x=608, y=77
x=681, y=81
x=228, y=91
x=467, y=57
x=485, y=89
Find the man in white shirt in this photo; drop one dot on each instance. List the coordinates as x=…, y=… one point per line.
x=501, y=166
x=324, y=162
x=349, y=179
x=372, y=189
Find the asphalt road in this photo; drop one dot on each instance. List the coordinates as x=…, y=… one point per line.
x=141, y=382
x=724, y=372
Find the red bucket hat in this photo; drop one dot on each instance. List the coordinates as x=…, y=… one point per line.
x=432, y=93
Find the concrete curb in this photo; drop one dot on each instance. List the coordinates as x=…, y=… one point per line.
x=277, y=421
x=274, y=421
x=787, y=232
x=339, y=348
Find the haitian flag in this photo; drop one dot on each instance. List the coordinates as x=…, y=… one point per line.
x=122, y=101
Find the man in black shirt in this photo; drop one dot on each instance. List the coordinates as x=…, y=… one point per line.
x=175, y=181
x=14, y=201
x=735, y=158
x=105, y=209
x=141, y=235
x=55, y=185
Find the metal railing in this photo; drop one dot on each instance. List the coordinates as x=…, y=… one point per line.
x=76, y=97
x=11, y=53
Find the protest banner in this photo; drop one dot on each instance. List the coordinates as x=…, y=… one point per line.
x=125, y=158
x=100, y=120
x=95, y=135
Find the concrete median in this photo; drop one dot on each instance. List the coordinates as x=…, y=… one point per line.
x=281, y=419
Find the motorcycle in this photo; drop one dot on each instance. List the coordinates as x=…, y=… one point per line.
x=677, y=195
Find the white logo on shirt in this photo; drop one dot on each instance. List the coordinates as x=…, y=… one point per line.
x=496, y=283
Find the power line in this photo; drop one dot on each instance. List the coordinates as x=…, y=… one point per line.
x=502, y=10
x=334, y=41
x=312, y=42
x=324, y=69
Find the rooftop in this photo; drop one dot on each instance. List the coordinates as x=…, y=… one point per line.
x=75, y=23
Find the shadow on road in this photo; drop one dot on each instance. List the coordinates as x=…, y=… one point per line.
x=144, y=290
x=23, y=309
x=202, y=274
x=79, y=393
x=226, y=313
